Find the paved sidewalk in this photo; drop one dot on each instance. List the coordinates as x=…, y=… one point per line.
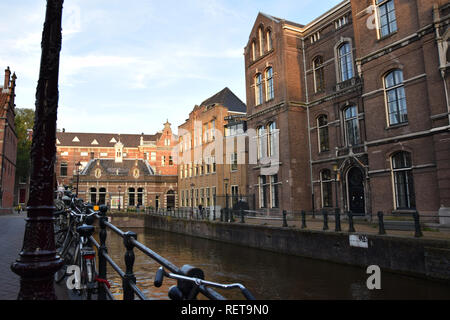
x=12, y=229
x=364, y=228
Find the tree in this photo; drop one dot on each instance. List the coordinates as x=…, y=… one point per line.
x=24, y=121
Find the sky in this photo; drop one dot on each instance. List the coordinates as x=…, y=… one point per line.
x=129, y=66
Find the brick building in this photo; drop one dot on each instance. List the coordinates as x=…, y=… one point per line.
x=212, y=153
x=8, y=142
x=359, y=98
x=120, y=170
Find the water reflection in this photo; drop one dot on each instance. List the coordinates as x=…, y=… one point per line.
x=267, y=275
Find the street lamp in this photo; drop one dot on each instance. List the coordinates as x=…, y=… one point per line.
x=120, y=189
x=78, y=164
x=226, y=180
x=336, y=180
x=192, y=198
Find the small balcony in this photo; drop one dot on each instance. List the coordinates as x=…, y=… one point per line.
x=355, y=81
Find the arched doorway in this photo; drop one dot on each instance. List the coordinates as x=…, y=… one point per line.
x=171, y=200
x=355, y=189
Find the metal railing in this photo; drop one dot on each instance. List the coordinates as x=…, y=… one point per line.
x=380, y=222
x=190, y=280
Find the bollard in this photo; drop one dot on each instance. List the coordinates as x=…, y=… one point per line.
x=303, y=219
x=285, y=225
x=351, y=227
x=337, y=216
x=419, y=233
x=129, y=277
x=325, y=220
x=102, y=272
x=242, y=216
x=231, y=215
x=214, y=214
x=381, y=229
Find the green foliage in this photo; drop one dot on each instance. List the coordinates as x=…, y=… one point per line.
x=24, y=120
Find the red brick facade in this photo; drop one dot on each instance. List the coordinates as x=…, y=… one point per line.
x=8, y=142
x=369, y=82
x=137, y=169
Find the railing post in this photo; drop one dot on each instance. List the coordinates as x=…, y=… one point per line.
x=338, y=220
x=242, y=216
x=285, y=225
x=381, y=228
x=325, y=220
x=303, y=219
x=351, y=227
x=102, y=272
x=128, y=293
x=232, y=215
x=418, y=232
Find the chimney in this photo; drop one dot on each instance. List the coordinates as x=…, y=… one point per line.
x=7, y=77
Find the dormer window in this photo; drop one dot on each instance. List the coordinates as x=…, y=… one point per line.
x=76, y=139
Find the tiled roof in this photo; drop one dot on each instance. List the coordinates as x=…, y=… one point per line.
x=69, y=139
x=125, y=168
x=228, y=99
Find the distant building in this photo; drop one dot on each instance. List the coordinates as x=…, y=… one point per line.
x=120, y=170
x=212, y=153
x=8, y=142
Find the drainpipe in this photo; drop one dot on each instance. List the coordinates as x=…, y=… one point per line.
x=308, y=124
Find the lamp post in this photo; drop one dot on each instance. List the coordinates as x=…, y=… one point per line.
x=38, y=260
x=120, y=189
x=226, y=180
x=78, y=164
x=192, y=198
x=336, y=180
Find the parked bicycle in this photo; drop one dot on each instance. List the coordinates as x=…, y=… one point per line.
x=73, y=229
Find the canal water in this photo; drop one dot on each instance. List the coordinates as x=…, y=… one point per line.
x=268, y=275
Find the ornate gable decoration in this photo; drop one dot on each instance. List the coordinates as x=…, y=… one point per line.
x=76, y=139
x=95, y=142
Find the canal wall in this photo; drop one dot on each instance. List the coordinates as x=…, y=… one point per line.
x=417, y=257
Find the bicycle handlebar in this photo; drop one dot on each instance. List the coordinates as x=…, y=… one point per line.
x=161, y=273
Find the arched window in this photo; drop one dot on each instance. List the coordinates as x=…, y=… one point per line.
x=345, y=59
x=258, y=89
x=93, y=192
x=261, y=137
x=386, y=15
x=269, y=40
x=326, y=188
x=269, y=84
x=403, y=181
x=322, y=126
x=351, y=126
x=253, y=50
x=140, y=197
x=131, y=197
x=261, y=41
x=318, y=74
x=395, y=98
x=102, y=196
x=272, y=143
